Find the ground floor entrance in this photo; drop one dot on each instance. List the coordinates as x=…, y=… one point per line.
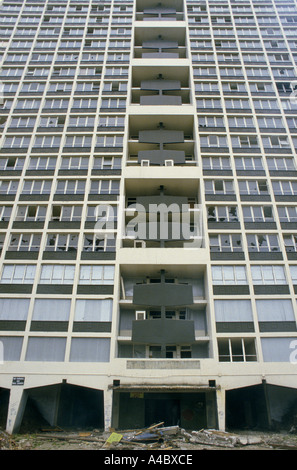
x=143, y=409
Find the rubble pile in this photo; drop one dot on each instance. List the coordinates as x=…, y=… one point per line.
x=155, y=437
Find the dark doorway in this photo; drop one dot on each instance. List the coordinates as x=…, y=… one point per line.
x=162, y=410
x=4, y=402
x=246, y=408
x=80, y=407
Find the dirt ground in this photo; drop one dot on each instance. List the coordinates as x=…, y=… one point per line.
x=169, y=439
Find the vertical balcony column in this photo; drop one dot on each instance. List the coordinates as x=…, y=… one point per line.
x=16, y=408
x=108, y=394
x=221, y=407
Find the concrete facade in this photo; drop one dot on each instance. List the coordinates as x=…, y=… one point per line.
x=111, y=112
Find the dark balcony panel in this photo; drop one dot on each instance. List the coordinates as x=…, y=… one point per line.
x=289, y=225
x=68, y=197
x=292, y=255
x=163, y=331
x=104, y=255
x=49, y=326
x=231, y=290
x=160, y=100
x=260, y=225
x=271, y=289
x=277, y=326
x=92, y=326
x=12, y=325
x=54, y=289
x=149, y=201
x=62, y=225
x=220, y=197
x=162, y=294
x=89, y=289
x=21, y=255
x=235, y=327
x=255, y=197
x=34, y=197
x=66, y=255
x=161, y=136
x=286, y=198
x=224, y=255
x=265, y=255
x=223, y=225
x=16, y=288
x=158, y=157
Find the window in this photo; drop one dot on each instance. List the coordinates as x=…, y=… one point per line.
x=60, y=103
x=257, y=213
x=18, y=274
x=93, y=310
x=11, y=164
x=5, y=213
x=61, y=242
x=70, y=187
x=99, y=242
x=109, y=211
x=287, y=214
x=222, y=214
x=51, y=310
x=109, y=141
x=81, y=121
x=8, y=187
x=47, y=141
x=105, y=187
x=240, y=122
x=31, y=213
x=218, y=187
x=290, y=242
x=262, y=243
x=66, y=213
x=229, y=275
x=113, y=103
x=57, y=274
x=216, y=163
x=268, y=274
x=276, y=142
x=237, y=350
x=253, y=187
x=213, y=141
x=42, y=163
x=281, y=164
x=14, y=309
x=283, y=188
x=107, y=163
x=74, y=163
x=46, y=349
x=86, y=103
x=78, y=141
x=244, y=141
x=249, y=163
x=24, y=242
x=225, y=243
x=111, y=121
x=17, y=142
x=37, y=187
x=28, y=104
x=90, y=350
x=96, y=274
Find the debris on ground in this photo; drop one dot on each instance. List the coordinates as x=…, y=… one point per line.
x=155, y=437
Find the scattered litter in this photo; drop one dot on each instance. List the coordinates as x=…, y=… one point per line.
x=154, y=437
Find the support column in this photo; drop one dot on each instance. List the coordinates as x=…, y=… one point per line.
x=221, y=407
x=16, y=408
x=108, y=394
